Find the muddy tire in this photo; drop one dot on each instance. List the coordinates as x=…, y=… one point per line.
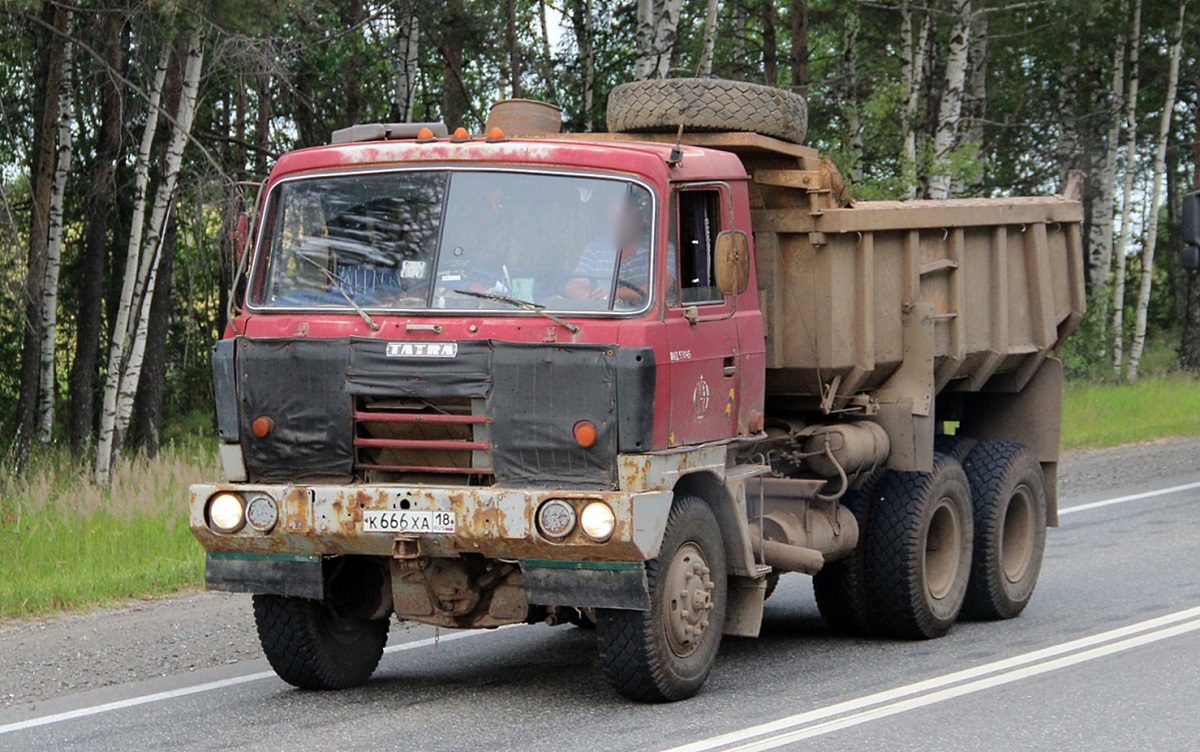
x=707, y=104
x=919, y=545
x=1008, y=492
x=310, y=647
x=665, y=654
x=957, y=447
x=840, y=588
x=772, y=584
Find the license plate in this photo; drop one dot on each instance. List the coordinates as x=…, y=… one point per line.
x=417, y=523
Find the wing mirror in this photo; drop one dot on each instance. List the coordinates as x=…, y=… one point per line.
x=240, y=237
x=732, y=262
x=1189, y=256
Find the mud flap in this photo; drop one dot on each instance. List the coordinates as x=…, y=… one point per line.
x=586, y=584
x=297, y=575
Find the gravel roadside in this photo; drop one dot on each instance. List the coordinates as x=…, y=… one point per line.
x=53, y=656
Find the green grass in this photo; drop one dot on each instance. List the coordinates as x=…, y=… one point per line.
x=67, y=544
x=1105, y=415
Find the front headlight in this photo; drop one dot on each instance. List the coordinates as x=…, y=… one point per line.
x=226, y=513
x=598, y=521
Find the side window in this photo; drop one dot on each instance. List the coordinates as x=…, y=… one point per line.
x=699, y=223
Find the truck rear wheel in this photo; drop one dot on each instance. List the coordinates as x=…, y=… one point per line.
x=664, y=654
x=840, y=588
x=919, y=544
x=311, y=647
x=1009, y=495
x=707, y=104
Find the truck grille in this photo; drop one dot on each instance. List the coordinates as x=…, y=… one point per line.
x=417, y=440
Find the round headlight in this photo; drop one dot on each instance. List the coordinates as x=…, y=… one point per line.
x=556, y=518
x=226, y=514
x=598, y=521
x=262, y=513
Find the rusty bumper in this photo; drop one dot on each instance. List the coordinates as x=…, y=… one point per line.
x=497, y=523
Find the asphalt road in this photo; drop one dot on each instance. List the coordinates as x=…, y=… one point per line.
x=1107, y=657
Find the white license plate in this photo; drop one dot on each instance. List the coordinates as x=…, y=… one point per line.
x=417, y=523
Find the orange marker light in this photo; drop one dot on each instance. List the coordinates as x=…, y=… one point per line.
x=460, y=134
x=425, y=134
x=585, y=433
x=262, y=426
x=495, y=134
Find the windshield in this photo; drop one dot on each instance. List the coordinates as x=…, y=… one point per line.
x=429, y=239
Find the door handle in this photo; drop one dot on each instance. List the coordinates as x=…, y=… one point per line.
x=730, y=367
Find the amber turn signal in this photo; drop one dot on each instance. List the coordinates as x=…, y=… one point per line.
x=585, y=433
x=262, y=426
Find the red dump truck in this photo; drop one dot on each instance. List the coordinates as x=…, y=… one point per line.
x=627, y=380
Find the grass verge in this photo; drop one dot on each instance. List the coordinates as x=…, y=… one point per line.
x=66, y=544
x=1097, y=415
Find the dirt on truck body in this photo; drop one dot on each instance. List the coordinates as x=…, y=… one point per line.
x=630, y=379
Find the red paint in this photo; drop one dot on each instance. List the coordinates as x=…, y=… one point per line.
x=727, y=333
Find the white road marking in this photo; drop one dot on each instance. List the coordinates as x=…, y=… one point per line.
x=726, y=739
x=172, y=694
x=1125, y=499
x=938, y=689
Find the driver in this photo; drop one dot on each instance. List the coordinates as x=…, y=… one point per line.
x=593, y=276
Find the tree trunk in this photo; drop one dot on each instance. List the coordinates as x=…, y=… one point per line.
x=152, y=252
x=50, y=67
x=912, y=70
x=799, y=54
x=117, y=348
x=1160, y=160
x=408, y=49
x=514, y=49
x=547, y=56
x=1189, y=342
x=851, y=104
x=739, y=39
x=454, y=93
x=710, y=38
x=975, y=99
x=946, y=137
x=1122, y=245
x=353, y=64
x=145, y=431
x=113, y=35
x=581, y=22
x=1100, y=238
x=770, y=49
x=47, y=382
x=657, y=43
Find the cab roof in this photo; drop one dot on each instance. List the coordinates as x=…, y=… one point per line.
x=642, y=158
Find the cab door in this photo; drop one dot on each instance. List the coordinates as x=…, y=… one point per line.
x=703, y=367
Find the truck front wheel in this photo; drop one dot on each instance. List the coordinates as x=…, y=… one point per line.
x=919, y=544
x=1009, y=495
x=311, y=647
x=664, y=654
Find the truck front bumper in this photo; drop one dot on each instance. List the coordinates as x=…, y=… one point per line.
x=494, y=522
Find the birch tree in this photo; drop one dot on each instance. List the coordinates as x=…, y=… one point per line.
x=946, y=137
x=1160, y=165
x=1122, y=244
x=912, y=71
x=1100, y=237
x=710, y=38
x=58, y=189
x=117, y=348
x=658, y=24
x=408, y=49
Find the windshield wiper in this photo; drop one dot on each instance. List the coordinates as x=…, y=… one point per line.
x=337, y=283
x=538, y=309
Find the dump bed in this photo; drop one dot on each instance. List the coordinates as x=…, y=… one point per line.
x=999, y=281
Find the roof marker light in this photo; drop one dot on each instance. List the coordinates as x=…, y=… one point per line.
x=425, y=134
x=494, y=135
x=460, y=135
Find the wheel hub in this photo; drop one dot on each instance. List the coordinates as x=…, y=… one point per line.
x=687, y=599
x=1017, y=535
x=942, y=549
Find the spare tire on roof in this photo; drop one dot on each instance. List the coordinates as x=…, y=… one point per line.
x=707, y=104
